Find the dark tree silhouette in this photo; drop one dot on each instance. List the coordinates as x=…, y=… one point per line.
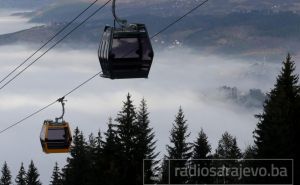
x=201, y=154
x=164, y=171
x=112, y=156
x=227, y=148
x=91, y=151
x=180, y=150
x=6, y=175
x=202, y=147
x=20, y=179
x=75, y=171
x=95, y=156
x=56, y=176
x=127, y=133
x=278, y=126
x=275, y=135
x=32, y=175
x=145, y=149
x=228, y=152
x=250, y=152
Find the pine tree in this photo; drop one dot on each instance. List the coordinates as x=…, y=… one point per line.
x=20, y=179
x=145, y=146
x=127, y=127
x=76, y=170
x=180, y=148
x=6, y=175
x=248, y=155
x=164, y=171
x=127, y=133
x=56, y=176
x=201, y=153
x=227, y=149
x=279, y=122
x=32, y=175
x=95, y=156
x=91, y=157
x=111, y=156
x=250, y=152
x=202, y=148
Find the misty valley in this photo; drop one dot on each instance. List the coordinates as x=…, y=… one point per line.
x=223, y=84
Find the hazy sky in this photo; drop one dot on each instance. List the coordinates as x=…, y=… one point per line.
x=10, y=23
x=179, y=77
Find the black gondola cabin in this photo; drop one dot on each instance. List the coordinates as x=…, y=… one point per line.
x=125, y=52
x=55, y=138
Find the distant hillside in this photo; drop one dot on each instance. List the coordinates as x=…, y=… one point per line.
x=61, y=10
x=249, y=34
x=24, y=4
x=154, y=7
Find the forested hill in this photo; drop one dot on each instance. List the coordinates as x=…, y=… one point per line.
x=244, y=34
x=24, y=4
x=164, y=7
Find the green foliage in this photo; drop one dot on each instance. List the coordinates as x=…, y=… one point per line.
x=179, y=148
x=136, y=140
x=127, y=136
x=202, y=147
x=32, y=175
x=112, y=156
x=75, y=172
x=279, y=122
x=95, y=157
x=127, y=126
x=20, y=179
x=227, y=148
x=201, y=152
x=6, y=175
x=250, y=152
x=56, y=176
x=164, y=171
x=228, y=152
x=145, y=148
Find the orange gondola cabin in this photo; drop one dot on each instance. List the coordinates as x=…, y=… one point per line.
x=55, y=137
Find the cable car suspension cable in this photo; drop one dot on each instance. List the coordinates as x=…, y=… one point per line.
x=179, y=19
x=60, y=31
x=80, y=85
x=19, y=73
x=49, y=105
x=170, y=25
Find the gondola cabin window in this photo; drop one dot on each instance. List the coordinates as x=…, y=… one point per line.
x=125, y=48
x=57, y=134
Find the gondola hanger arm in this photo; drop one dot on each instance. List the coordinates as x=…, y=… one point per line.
x=121, y=22
x=62, y=101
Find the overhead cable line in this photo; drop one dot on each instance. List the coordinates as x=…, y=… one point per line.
x=19, y=73
x=50, y=104
x=79, y=86
x=171, y=24
x=60, y=31
x=179, y=19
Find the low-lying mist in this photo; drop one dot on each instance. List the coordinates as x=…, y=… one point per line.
x=15, y=23
x=179, y=77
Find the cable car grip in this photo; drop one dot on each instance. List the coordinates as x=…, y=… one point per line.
x=62, y=101
x=122, y=22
